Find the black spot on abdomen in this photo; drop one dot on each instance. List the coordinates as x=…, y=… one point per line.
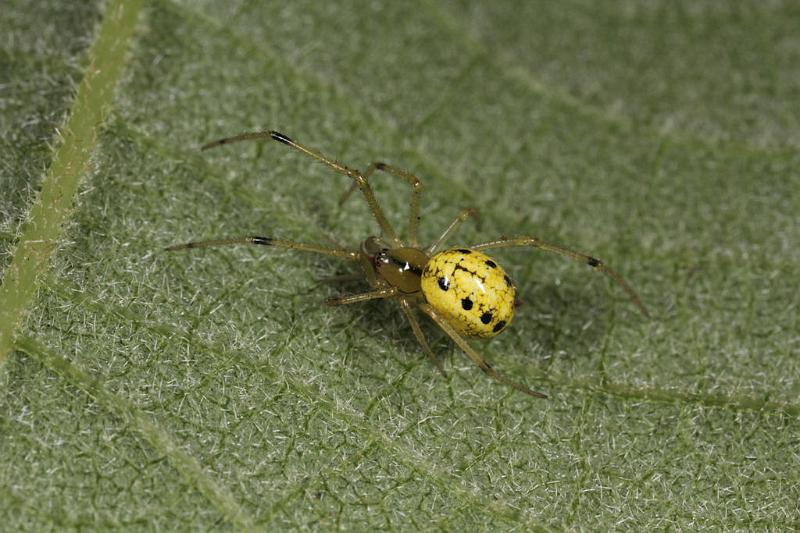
x=486, y=317
x=500, y=325
x=466, y=303
x=444, y=284
x=491, y=264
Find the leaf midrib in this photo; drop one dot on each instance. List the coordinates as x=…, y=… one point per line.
x=78, y=139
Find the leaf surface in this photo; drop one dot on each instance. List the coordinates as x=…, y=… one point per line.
x=214, y=389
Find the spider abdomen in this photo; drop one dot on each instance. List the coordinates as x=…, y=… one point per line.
x=470, y=290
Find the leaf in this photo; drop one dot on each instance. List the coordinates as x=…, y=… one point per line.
x=213, y=389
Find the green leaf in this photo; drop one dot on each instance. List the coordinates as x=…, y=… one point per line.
x=213, y=388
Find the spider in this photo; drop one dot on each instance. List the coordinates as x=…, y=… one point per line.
x=463, y=290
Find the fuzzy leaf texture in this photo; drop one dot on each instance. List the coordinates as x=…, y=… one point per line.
x=213, y=389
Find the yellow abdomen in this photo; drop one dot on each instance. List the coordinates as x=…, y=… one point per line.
x=470, y=290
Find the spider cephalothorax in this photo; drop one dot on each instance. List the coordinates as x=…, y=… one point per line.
x=463, y=290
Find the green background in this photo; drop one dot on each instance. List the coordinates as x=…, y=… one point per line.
x=214, y=389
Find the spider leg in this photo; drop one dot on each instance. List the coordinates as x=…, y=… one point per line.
x=413, y=205
x=358, y=179
x=406, y=307
x=362, y=297
x=460, y=218
x=268, y=241
x=593, y=262
x=474, y=355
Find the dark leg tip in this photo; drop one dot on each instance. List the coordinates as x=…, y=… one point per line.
x=176, y=247
x=213, y=144
x=280, y=137
x=264, y=241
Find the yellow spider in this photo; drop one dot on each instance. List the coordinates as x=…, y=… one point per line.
x=464, y=291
